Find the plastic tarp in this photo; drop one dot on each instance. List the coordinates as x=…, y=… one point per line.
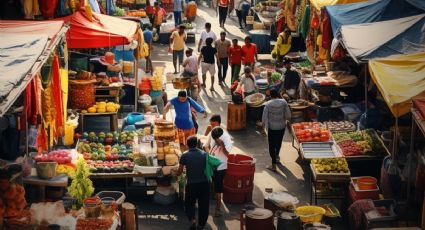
x=18, y=55
x=49, y=28
x=399, y=79
x=372, y=11
x=318, y=4
x=102, y=31
x=383, y=39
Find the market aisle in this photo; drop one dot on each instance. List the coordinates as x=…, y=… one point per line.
x=290, y=178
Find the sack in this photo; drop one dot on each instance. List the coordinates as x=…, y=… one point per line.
x=237, y=98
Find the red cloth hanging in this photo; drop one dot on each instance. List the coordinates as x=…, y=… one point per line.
x=31, y=103
x=327, y=31
x=41, y=143
x=47, y=8
x=57, y=94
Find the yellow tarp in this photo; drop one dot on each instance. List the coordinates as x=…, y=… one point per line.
x=321, y=3
x=399, y=79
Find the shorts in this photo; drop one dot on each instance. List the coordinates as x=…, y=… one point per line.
x=183, y=134
x=178, y=54
x=218, y=178
x=208, y=67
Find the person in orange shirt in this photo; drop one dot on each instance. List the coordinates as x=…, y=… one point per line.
x=223, y=9
x=249, y=53
x=159, y=16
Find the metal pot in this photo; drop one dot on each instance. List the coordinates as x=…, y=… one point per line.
x=288, y=221
x=257, y=218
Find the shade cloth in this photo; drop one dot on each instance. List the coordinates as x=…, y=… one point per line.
x=372, y=11
x=321, y=3
x=18, y=55
x=383, y=39
x=399, y=79
x=103, y=31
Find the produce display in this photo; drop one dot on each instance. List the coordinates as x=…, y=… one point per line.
x=59, y=156
x=310, y=132
x=119, y=11
x=188, y=25
x=110, y=166
x=12, y=199
x=330, y=165
x=93, y=224
x=137, y=13
x=102, y=107
x=81, y=186
x=364, y=142
x=164, y=130
x=98, y=151
x=340, y=126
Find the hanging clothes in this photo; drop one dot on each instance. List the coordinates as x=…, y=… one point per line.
x=64, y=88
x=326, y=30
x=47, y=8
x=31, y=103
x=57, y=96
x=41, y=142
x=305, y=23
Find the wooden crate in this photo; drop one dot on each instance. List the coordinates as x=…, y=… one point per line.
x=236, y=116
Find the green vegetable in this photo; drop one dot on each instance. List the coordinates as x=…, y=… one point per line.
x=119, y=11
x=276, y=76
x=81, y=186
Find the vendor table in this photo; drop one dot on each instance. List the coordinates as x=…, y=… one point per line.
x=125, y=176
x=113, y=122
x=261, y=38
x=340, y=184
x=60, y=181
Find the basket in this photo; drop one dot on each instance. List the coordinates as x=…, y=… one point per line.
x=46, y=170
x=310, y=214
x=92, y=207
x=81, y=94
x=181, y=83
x=118, y=196
x=84, y=75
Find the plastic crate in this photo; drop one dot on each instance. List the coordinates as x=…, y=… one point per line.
x=118, y=196
x=351, y=112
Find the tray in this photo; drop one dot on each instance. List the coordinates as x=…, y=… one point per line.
x=330, y=176
x=310, y=150
x=356, y=188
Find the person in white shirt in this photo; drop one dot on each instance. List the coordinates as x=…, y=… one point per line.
x=247, y=82
x=190, y=64
x=220, y=144
x=207, y=33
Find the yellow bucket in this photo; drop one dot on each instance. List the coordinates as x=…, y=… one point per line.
x=69, y=134
x=310, y=214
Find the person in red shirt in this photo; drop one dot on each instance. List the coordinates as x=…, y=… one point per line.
x=249, y=53
x=235, y=59
x=150, y=11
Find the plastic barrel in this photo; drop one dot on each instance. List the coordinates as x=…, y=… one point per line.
x=239, y=179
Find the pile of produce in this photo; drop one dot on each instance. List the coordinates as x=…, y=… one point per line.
x=340, y=126
x=119, y=11
x=276, y=76
x=12, y=199
x=98, y=151
x=310, y=132
x=110, y=166
x=188, y=25
x=93, y=224
x=330, y=165
x=137, y=13
x=59, y=156
x=357, y=143
x=81, y=186
x=102, y=107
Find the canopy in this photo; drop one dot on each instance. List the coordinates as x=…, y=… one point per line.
x=383, y=39
x=373, y=11
x=321, y=3
x=102, y=31
x=399, y=79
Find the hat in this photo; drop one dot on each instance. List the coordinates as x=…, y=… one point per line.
x=107, y=59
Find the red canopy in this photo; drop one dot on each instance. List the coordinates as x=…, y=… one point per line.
x=49, y=28
x=103, y=31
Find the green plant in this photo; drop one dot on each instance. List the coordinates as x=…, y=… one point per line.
x=81, y=186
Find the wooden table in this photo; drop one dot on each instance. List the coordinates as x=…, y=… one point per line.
x=112, y=116
x=60, y=181
x=125, y=176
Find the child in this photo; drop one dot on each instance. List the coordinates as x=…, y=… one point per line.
x=235, y=59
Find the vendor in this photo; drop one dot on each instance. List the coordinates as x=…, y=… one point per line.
x=247, y=83
x=291, y=82
x=215, y=121
x=283, y=46
x=184, y=118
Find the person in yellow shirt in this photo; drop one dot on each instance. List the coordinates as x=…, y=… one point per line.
x=177, y=42
x=283, y=45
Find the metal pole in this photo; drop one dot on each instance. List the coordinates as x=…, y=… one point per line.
x=366, y=90
x=409, y=164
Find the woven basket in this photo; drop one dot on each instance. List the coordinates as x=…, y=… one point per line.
x=181, y=83
x=46, y=170
x=81, y=94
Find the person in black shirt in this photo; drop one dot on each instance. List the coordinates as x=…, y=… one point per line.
x=291, y=81
x=197, y=187
x=208, y=56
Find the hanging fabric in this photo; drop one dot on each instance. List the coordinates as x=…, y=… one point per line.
x=57, y=96
x=326, y=31
x=305, y=22
x=47, y=8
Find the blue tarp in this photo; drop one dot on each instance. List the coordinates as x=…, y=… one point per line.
x=373, y=11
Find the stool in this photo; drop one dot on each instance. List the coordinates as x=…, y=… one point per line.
x=236, y=116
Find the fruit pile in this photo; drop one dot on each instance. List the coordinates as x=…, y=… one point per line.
x=137, y=13
x=359, y=143
x=59, y=156
x=110, y=138
x=330, y=165
x=102, y=107
x=340, y=126
x=110, y=166
x=12, y=199
x=310, y=132
x=98, y=151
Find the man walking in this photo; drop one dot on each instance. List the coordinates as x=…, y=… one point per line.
x=148, y=35
x=197, y=187
x=223, y=9
x=249, y=53
x=177, y=41
x=178, y=9
x=207, y=33
x=208, y=56
x=275, y=115
x=235, y=59
x=222, y=45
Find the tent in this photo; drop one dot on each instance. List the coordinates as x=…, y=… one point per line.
x=23, y=51
x=318, y=4
x=399, y=79
x=372, y=11
x=386, y=38
x=101, y=31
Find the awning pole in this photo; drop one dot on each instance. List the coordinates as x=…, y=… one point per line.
x=409, y=163
x=366, y=90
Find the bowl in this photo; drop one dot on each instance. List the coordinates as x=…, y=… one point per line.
x=367, y=183
x=310, y=214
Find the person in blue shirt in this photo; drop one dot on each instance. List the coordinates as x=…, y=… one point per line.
x=147, y=35
x=184, y=120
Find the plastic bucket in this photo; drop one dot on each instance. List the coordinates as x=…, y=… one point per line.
x=69, y=134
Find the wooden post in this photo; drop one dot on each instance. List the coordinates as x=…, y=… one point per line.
x=129, y=218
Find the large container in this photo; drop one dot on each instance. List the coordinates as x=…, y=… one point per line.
x=238, y=182
x=236, y=116
x=81, y=94
x=288, y=221
x=310, y=214
x=257, y=218
x=46, y=170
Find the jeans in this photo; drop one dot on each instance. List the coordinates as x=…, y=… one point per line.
x=239, y=15
x=177, y=18
x=222, y=14
x=198, y=192
x=222, y=69
x=275, y=138
x=236, y=69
